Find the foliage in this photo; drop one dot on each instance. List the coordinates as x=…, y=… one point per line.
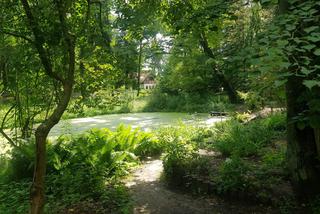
x=287, y=50
x=79, y=168
x=176, y=161
x=180, y=157
x=186, y=102
x=233, y=175
x=234, y=138
x=252, y=164
x=14, y=197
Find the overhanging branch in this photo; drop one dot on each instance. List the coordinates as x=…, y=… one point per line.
x=15, y=34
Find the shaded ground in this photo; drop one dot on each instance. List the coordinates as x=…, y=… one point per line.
x=151, y=196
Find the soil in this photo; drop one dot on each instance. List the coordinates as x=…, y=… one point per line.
x=150, y=195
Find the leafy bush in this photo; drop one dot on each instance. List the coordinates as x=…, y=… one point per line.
x=14, y=197
x=104, y=102
x=20, y=164
x=233, y=175
x=78, y=169
x=186, y=102
x=181, y=157
x=276, y=122
x=233, y=138
x=176, y=162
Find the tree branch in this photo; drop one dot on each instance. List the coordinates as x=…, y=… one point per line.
x=69, y=39
x=11, y=142
x=39, y=43
x=15, y=34
x=103, y=33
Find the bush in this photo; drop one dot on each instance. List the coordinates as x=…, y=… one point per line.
x=80, y=169
x=186, y=102
x=20, y=164
x=252, y=164
x=177, y=161
x=233, y=175
x=14, y=197
x=234, y=138
x=276, y=122
x=181, y=157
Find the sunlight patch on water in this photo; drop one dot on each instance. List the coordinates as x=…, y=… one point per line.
x=130, y=118
x=88, y=120
x=214, y=120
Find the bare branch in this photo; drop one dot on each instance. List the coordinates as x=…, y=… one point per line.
x=11, y=142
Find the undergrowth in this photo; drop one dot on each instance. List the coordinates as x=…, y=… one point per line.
x=82, y=171
x=245, y=161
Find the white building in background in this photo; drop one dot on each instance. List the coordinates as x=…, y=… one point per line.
x=147, y=81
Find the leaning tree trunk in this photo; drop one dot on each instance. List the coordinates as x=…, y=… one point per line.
x=66, y=80
x=37, y=189
x=303, y=150
x=228, y=87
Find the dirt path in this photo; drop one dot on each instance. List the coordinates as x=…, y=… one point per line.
x=151, y=196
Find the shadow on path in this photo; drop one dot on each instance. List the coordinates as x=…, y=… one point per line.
x=151, y=196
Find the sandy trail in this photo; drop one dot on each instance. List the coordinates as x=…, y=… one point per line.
x=150, y=195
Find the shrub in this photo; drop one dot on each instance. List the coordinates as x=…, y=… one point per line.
x=276, y=122
x=78, y=169
x=181, y=157
x=186, y=102
x=233, y=138
x=233, y=175
x=14, y=197
x=176, y=162
x=21, y=162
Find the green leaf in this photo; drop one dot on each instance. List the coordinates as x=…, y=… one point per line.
x=313, y=38
x=311, y=83
x=282, y=42
x=317, y=52
x=290, y=27
x=310, y=29
x=279, y=83
x=315, y=121
x=309, y=47
x=306, y=71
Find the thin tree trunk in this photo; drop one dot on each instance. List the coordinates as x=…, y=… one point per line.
x=38, y=185
x=231, y=92
x=139, y=67
x=3, y=73
x=67, y=81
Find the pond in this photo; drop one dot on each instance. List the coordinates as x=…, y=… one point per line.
x=144, y=121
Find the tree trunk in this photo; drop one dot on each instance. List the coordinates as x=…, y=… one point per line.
x=231, y=92
x=139, y=68
x=303, y=142
x=67, y=81
x=3, y=74
x=38, y=185
x=302, y=150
